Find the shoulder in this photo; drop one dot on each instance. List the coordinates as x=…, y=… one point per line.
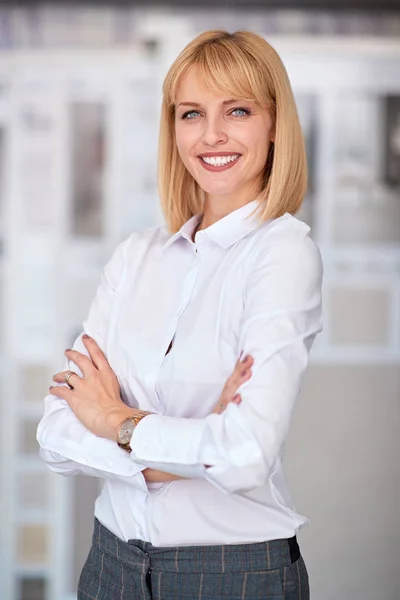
x=286, y=228
x=286, y=243
x=133, y=248
x=139, y=242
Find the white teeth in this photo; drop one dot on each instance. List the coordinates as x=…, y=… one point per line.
x=219, y=161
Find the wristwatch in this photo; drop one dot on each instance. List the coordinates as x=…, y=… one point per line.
x=126, y=429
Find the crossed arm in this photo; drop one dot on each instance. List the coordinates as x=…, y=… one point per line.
x=236, y=450
x=95, y=398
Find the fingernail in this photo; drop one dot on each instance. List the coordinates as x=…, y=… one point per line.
x=67, y=350
x=85, y=337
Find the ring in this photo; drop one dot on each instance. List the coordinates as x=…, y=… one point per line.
x=67, y=378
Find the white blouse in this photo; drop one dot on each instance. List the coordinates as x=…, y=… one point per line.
x=241, y=286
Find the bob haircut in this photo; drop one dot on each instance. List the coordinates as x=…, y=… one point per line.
x=240, y=65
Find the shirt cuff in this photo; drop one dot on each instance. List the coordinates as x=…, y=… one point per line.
x=169, y=441
x=90, y=451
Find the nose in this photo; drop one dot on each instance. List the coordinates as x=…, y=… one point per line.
x=214, y=131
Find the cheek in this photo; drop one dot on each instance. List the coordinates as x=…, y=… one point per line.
x=256, y=140
x=185, y=142
x=262, y=147
x=184, y=139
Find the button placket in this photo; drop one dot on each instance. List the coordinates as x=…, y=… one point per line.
x=188, y=286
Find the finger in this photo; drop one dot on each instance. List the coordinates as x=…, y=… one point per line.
x=239, y=376
x=60, y=378
x=241, y=363
x=248, y=361
x=61, y=391
x=231, y=387
x=81, y=360
x=96, y=354
x=246, y=376
x=241, y=366
x=237, y=399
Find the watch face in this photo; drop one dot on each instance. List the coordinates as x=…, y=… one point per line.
x=126, y=431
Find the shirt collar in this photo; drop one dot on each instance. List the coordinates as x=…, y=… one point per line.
x=225, y=232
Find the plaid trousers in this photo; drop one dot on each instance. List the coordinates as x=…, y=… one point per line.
x=137, y=570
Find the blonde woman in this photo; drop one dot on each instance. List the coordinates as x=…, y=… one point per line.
x=179, y=393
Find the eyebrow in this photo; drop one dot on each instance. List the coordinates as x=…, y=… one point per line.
x=225, y=102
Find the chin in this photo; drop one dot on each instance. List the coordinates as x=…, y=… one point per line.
x=216, y=191
x=222, y=190
x=221, y=187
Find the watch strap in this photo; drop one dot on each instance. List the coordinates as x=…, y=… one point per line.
x=135, y=420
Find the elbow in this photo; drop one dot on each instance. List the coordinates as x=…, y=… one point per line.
x=243, y=461
x=54, y=461
x=240, y=479
x=58, y=464
x=250, y=478
x=42, y=437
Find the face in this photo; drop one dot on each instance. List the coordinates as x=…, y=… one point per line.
x=223, y=142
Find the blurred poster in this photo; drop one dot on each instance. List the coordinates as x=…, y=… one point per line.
x=87, y=160
x=356, y=115
x=392, y=141
x=34, y=322
x=307, y=110
x=306, y=107
x=138, y=131
x=37, y=139
x=367, y=208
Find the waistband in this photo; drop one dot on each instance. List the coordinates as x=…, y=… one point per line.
x=141, y=555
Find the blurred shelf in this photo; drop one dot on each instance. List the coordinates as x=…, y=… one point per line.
x=31, y=464
x=32, y=570
x=355, y=355
x=40, y=516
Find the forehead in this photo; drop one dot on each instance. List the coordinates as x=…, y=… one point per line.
x=194, y=86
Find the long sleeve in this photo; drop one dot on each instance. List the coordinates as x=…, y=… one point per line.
x=66, y=445
x=281, y=317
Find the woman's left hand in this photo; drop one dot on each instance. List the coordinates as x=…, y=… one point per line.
x=95, y=398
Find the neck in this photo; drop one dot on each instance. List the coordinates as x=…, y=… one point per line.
x=218, y=207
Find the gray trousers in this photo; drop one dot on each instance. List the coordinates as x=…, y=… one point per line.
x=137, y=570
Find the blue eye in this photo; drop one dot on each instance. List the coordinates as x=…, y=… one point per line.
x=190, y=115
x=187, y=114
x=242, y=110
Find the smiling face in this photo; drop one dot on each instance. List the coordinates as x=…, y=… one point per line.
x=223, y=142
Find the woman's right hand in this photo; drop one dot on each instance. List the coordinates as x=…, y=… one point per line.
x=241, y=373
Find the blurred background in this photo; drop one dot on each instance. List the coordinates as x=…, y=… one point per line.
x=80, y=93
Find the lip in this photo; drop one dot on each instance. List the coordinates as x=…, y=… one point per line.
x=216, y=169
x=211, y=154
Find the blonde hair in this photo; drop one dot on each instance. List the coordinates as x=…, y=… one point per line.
x=242, y=65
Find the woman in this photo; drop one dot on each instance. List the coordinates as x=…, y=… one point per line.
x=195, y=504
